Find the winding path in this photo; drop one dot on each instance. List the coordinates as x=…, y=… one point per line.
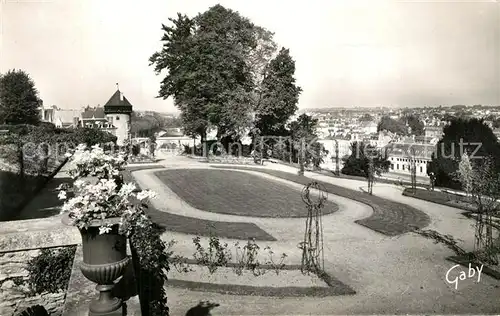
x=403, y=274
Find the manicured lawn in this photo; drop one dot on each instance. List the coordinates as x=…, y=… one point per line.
x=207, y=228
x=236, y=193
x=196, y=226
x=389, y=217
x=444, y=198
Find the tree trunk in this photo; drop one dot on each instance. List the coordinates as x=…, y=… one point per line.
x=45, y=160
x=20, y=158
x=225, y=141
x=337, y=165
x=203, y=140
x=301, y=157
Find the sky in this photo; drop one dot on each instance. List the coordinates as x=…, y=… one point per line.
x=347, y=53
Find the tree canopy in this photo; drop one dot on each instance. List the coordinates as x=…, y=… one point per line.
x=147, y=125
x=213, y=62
x=279, y=95
x=416, y=125
x=19, y=101
x=366, y=118
x=304, y=126
x=463, y=135
x=400, y=126
x=391, y=125
x=357, y=164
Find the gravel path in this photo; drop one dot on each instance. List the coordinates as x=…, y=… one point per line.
x=391, y=275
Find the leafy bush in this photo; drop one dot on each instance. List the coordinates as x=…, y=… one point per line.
x=136, y=149
x=189, y=150
x=217, y=255
x=151, y=263
x=50, y=270
x=247, y=259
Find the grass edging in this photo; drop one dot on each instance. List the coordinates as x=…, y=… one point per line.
x=463, y=261
x=195, y=226
x=335, y=287
x=204, y=202
x=409, y=193
x=331, y=173
x=389, y=217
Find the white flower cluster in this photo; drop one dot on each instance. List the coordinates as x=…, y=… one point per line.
x=94, y=162
x=102, y=199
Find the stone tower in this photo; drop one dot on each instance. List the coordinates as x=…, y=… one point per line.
x=118, y=112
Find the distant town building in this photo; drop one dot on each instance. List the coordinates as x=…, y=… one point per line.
x=400, y=156
x=114, y=117
x=433, y=131
x=94, y=117
x=170, y=132
x=61, y=118
x=369, y=127
x=66, y=118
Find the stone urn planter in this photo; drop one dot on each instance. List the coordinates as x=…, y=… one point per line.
x=104, y=261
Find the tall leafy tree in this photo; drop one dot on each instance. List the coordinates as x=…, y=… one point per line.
x=180, y=57
x=461, y=136
x=303, y=132
x=394, y=126
x=305, y=126
x=212, y=62
x=416, y=125
x=358, y=163
x=258, y=61
x=19, y=101
x=279, y=95
x=366, y=118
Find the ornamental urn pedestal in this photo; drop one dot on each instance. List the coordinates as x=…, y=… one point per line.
x=104, y=261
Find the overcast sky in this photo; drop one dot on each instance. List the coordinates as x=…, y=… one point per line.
x=347, y=53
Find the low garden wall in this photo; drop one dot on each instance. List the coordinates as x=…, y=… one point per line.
x=29, y=250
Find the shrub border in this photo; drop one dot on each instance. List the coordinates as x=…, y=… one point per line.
x=407, y=192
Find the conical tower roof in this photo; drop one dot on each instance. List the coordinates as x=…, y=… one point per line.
x=118, y=104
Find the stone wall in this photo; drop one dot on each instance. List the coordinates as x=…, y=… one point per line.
x=14, y=292
x=21, y=241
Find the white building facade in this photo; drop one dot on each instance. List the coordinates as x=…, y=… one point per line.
x=402, y=155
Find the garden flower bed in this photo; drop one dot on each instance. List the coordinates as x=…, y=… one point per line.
x=289, y=282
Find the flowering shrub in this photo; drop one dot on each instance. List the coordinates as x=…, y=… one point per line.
x=95, y=162
x=100, y=193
